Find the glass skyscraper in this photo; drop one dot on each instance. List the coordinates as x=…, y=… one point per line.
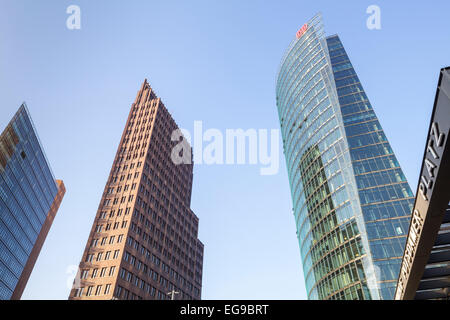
x=352, y=203
x=29, y=200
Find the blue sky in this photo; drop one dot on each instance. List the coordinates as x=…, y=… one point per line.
x=214, y=61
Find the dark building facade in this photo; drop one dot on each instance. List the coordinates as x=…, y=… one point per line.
x=351, y=200
x=29, y=200
x=143, y=243
x=425, y=270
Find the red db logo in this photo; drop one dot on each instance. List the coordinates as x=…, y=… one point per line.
x=302, y=31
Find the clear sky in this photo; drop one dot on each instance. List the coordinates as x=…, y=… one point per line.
x=214, y=61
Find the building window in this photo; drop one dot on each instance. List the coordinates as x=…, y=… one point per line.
x=79, y=292
x=111, y=271
x=118, y=293
x=107, y=289
x=123, y=273
x=89, y=291
x=84, y=274
x=126, y=256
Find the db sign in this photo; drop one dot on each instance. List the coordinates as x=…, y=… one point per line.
x=302, y=31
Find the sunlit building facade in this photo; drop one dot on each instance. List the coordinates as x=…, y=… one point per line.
x=352, y=203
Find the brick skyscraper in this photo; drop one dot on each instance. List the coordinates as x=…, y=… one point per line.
x=143, y=243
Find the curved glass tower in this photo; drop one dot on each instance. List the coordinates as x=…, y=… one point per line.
x=351, y=201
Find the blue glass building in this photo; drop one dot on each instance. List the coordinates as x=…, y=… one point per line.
x=351, y=201
x=29, y=199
